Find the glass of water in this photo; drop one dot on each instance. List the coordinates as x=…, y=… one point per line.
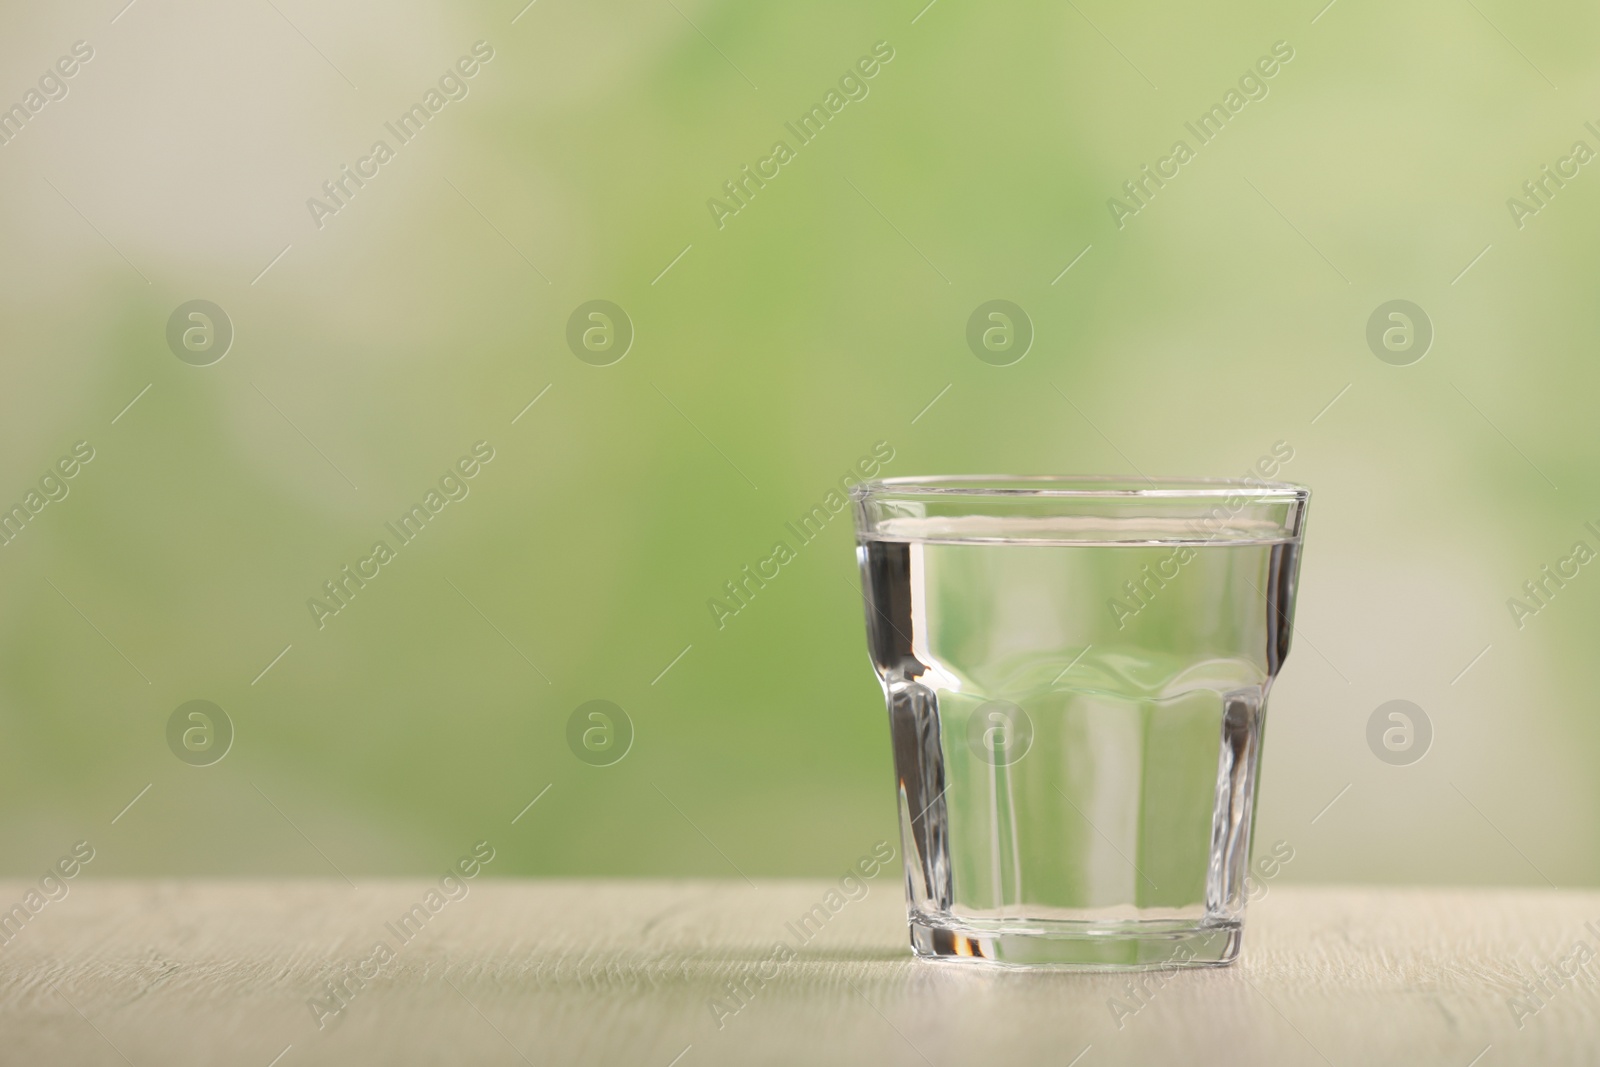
x=1076, y=671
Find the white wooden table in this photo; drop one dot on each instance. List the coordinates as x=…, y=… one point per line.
x=633, y=972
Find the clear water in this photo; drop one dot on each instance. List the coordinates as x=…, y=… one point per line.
x=1121, y=794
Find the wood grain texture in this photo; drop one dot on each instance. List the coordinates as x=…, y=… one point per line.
x=616, y=972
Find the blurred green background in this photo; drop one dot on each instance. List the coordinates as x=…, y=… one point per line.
x=769, y=355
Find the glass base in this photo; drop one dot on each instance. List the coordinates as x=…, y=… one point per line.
x=1078, y=945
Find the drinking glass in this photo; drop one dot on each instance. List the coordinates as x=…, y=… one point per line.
x=1076, y=672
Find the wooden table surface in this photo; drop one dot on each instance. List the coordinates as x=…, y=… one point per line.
x=635, y=972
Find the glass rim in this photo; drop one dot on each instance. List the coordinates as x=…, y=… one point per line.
x=1079, y=486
